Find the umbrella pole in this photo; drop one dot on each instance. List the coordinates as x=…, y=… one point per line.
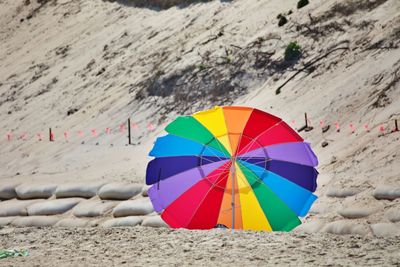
x=233, y=196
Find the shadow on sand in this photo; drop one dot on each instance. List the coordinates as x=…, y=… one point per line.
x=159, y=5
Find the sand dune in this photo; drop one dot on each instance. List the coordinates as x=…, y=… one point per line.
x=89, y=65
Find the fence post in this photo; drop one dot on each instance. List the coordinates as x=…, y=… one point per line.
x=305, y=117
x=129, y=132
x=51, y=136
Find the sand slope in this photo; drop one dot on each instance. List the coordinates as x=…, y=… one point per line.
x=88, y=65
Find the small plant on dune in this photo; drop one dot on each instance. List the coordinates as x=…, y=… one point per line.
x=282, y=20
x=228, y=57
x=302, y=3
x=202, y=67
x=160, y=72
x=292, y=51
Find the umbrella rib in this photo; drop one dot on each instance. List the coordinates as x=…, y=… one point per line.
x=207, y=160
x=272, y=191
x=258, y=179
x=266, y=171
x=247, y=159
x=241, y=136
x=219, y=144
x=200, y=163
x=206, y=146
x=206, y=177
x=205, y=196
x=200, y=168
x=271, y=159
x=253, y=140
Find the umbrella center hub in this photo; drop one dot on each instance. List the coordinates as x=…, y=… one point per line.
x=233, y=161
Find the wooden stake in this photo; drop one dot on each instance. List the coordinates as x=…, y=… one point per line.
x=129, y=132
x=51, y=137
x=305, y=117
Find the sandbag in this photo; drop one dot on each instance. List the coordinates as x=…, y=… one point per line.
x=6, y=220
x=86, y=190
x=53, y=207
x=321, y=208
x=355, y=213
x=393, y=215
x=93, y=208
x=31, y=191
x=345, y=227
x=154, y=221
x=385, y=229
x=341, y=192
x=121, y=222
x=135, y=207
x=119, y=191
x=35, y=221
x=73, y=223
x=7, y=190
x=310, y=227
x=16, y=207
x=386, y=192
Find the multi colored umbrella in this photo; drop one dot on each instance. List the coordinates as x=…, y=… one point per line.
x=234, y=166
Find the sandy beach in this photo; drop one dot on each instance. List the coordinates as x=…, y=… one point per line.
x=82, y=68
x=140, y=246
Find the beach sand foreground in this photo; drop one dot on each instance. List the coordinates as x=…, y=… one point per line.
x=140, y=246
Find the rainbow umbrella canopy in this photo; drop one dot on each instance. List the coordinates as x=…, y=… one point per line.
x=234, y=166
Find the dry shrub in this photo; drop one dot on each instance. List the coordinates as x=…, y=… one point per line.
x=163, y=4
x=349, y=7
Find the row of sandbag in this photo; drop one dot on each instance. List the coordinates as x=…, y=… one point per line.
x=77, y=207
x=56, y=221
x=113, y=191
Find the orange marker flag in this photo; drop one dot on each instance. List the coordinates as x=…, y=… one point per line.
x=352, y=128
x=150, y=126
x=122, y=128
